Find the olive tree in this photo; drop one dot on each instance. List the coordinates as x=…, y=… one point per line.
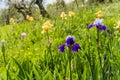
x=42, y=9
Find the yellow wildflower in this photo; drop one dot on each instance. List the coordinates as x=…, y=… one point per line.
x=71, y=14
x=47, y=26
x=63, y=15
x=30, y=18
x=99, y=14
x=12, y=21
x=117, y=27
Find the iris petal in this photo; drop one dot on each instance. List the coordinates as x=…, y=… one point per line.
x=98, y=25
x=98, y=21
x=90, y=26
x=62, y=47
x=75, y=47
x=70, y=40
x=102, y=28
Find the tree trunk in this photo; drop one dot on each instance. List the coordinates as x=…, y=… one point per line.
x=100, y=1
x=8, y=17
x=23, y=13
x=63, y=5
x=43, y=12
x=91, y=1
x=21, y=8
x=110, y=1
x=76, y=3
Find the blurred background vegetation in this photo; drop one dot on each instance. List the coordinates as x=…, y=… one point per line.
x=19, y=9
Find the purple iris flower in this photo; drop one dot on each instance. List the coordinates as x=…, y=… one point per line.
x=70, y=43
x=98, y=23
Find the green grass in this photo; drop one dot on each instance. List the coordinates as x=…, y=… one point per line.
x=32, y=58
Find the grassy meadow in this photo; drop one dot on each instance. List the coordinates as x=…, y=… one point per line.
x=35, y=56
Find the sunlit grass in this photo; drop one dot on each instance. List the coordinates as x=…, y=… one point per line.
x=34, y=57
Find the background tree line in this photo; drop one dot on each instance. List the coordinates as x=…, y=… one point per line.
x=19, y=9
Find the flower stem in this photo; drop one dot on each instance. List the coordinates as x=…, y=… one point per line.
x=65, y=66
x=72, y=22
x=110, y=56
x=69, y=29
x=70, y=63
x=98, y=48
x=49, y=51
x=48, y=37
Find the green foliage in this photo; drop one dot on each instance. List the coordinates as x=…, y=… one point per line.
x=34, y=57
